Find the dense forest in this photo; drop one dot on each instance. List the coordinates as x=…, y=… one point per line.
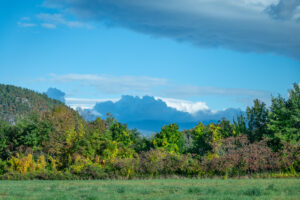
x=16, y=102
x=52, y=141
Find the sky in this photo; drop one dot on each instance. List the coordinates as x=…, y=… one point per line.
x=194, y=54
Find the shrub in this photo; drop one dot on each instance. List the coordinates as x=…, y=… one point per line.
x=92, y=172
x=125, y=167
x=2, y=166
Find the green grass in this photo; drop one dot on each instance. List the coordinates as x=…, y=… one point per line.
x=153, y=189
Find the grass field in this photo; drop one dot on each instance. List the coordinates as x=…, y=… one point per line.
x=153, y=189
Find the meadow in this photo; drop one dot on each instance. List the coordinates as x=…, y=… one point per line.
x=153, y=189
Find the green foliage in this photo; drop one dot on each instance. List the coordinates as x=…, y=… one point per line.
x=56, y=143
x=140, y=142
x=2, y=167
x=206, y=138
x=170, y=138
x=227, y=128
x=257, y=121
x=285, y=117
x=240, y=126
x=17, y=102
x=121, y=134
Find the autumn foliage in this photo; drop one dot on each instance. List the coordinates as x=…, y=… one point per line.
x=59, y=144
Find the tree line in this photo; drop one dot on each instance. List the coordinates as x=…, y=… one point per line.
x=60, y=144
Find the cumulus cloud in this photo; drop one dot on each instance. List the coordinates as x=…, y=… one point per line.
x=179, y=104
x=242, y=25
x=150, y=113
x=184, y=105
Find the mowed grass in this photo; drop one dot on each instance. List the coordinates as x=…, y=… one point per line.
x=153, y=189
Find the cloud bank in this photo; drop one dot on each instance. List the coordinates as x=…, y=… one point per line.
x=263, y=26
x=178, y=104
x=149, y=114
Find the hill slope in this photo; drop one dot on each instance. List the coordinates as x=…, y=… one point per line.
x=19, y=102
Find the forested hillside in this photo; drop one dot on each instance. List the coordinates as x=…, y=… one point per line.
x=59, y=144
x=19, y=102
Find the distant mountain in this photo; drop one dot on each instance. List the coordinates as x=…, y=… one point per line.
x=149, y=114
x=56, y=94
x=146, y=114
x=18, y=102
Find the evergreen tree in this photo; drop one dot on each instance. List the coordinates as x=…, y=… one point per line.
x=257, y=117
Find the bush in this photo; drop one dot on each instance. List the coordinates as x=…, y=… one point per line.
x=2, y=166
x=92, y=172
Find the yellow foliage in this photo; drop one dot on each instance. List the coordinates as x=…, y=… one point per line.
x=24, y=164
x=81, y=162
x=52, y=164
x=70, y=135
x=41, y=163
x=211, y=156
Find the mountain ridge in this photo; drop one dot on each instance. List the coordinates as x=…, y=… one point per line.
x=18, y=102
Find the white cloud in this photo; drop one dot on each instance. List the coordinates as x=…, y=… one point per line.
x=113, y=84
x=26, y=25
x=59, y=19
x=190, y=90
x=55, y=18
x=185, y=106
x=50, y=26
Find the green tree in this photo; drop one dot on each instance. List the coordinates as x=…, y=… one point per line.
x=240, y=126
x=257, y=117
x=285, y=117
x=140, y=142
x=121, y=134
x=169, y=138
x=226, y=128
x=206, y=138
x=4, y=140
x=293, y=105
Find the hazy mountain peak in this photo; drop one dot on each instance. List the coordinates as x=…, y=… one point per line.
x=56, y=94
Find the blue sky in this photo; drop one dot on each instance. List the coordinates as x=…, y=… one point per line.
x=99, y=50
